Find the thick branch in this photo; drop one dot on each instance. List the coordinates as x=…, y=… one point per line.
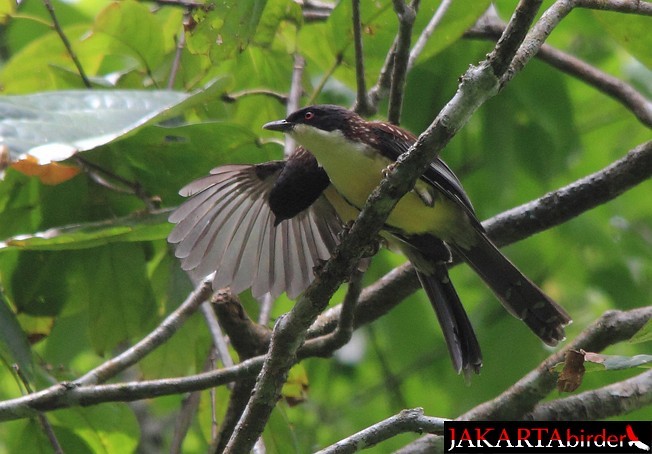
x=521, y=398
x=406, y=421
x=612, y=400
x=491, y=27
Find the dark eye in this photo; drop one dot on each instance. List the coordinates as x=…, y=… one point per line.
x=309, y=116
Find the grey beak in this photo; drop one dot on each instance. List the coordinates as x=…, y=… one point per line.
x=279, y=125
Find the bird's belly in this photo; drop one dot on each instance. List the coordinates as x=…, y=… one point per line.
x=356, y=175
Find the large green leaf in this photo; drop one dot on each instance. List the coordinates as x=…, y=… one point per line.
x=134, y=31
x=121, y=302
x=136, y=227
x=52, y=126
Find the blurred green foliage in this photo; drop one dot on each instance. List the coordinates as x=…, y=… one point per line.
x=106, y=276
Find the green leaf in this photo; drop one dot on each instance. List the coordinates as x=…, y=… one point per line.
x=107, y=428
x=121, y=303
x=14, y=347
x=644, y=334
x=136, y=227
x=134, y=31
x=630, y=31
x=53, y=126
x=274, y=13
x=226, y=29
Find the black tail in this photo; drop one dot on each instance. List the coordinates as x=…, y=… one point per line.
x=520, y=296
x=460, y=338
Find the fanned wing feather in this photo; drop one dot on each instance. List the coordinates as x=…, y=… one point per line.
x=227, y=227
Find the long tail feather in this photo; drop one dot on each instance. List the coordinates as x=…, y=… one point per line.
x=519, y=295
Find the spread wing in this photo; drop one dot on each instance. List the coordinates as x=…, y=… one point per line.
x=227, y=227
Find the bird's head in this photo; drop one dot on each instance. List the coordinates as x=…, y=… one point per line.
x=325, y=117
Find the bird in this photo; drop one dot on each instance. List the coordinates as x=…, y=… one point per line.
x=262, y=226
x=428, y=224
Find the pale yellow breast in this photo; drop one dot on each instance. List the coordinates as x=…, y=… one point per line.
x=356, y=171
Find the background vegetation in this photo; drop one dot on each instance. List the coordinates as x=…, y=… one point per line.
x=86, y=272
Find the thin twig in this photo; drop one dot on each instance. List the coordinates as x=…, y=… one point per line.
x=622, y=6
x=491, y=27
x=219, y=339
x=406, y=16
x=412, y=420
x=536, y=37
x=98, y=174
x=616, y=399
x=233, y=97
x=294, y=99
x=342, y=334
x=361, y=102
x=181, y=43
x=66, y=43
x=428, y=31
x=324, y=78
x=42, y=419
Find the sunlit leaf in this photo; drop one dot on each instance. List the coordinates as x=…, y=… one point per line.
x=53, y=126
x=134, y=31
x=137, y=227
x=295, y=389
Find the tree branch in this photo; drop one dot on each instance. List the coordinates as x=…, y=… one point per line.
x=412, y=420
x=612, y=400
x=428, y=31
x=66, y=43
x=406, y=16
x=491, y=27
x=521, y=399
x=361, y=101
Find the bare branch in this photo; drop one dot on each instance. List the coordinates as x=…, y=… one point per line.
x=326, y=345
x=612, y=400
x=66, y=43
x=181, y=43
x=412, y=420
x=536, y=37
x=491, y=27
x=428, y=31
x=406, y=16
x=521, y=398
x=157, y=337
x=233, y=97
x=42, y=419
x=622, y=6
x=509, y=43
x=219, y=339
x=362, y=101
